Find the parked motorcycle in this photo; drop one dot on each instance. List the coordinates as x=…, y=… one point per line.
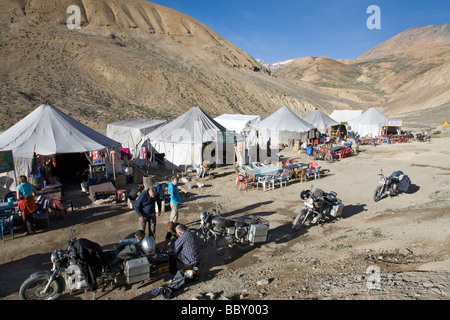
x=423, y=138
x=318, y=208
x=85, y=266
x=242, y=232
x=392, y=185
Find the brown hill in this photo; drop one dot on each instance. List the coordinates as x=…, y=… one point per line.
x=131, y=59
x=409, y=72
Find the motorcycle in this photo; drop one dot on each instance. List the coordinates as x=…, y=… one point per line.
x=318, y=208
x=393, y=185
x=423, y=137
x=242, y=232
x=84, y=266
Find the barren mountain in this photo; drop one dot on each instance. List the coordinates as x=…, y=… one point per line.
x=409, y=72
x=131, y=59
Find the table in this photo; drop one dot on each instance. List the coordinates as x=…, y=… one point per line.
x=262, y=172
x=103, y=189
x=295, y=167
x=5, y=205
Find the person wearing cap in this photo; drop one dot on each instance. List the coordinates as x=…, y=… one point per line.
x=145, y=207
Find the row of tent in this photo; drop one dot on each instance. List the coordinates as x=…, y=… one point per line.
x=48, y=131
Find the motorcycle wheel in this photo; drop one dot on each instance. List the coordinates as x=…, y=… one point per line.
x=378, y=193
x=243, y=247
x=299, y=220
x=329, y=158
x=31, y=288
x=204, y=238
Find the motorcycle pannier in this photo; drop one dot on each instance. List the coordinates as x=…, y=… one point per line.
x=258, y=233
x=405, y=184
x=336, y=210
x=137, y=270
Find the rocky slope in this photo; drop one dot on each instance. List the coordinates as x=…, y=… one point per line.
x=138, y=59
x=409, y=72
x=131, y=59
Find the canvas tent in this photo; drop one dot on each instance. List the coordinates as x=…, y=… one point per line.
x=237, y=122
x=369, y=123
x=48, y=131
x=344, y=116
x=320, y=121
x=391, y=126
x=190, y=140
x=282, y=127
x=131, y=132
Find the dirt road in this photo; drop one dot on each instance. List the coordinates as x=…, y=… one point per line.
x=396, y=248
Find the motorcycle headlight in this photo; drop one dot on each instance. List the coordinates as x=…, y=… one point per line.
x=383, y=180
x=203, y=216
x=310, y=201
x=57, y=255
x=54, y=257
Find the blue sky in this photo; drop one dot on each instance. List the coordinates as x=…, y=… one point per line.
x=279, y=30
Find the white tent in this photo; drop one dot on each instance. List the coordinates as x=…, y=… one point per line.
x=320, y=120
x=189, y=139
x=237, y=122
x=48, y=131
x=130, y=132
x=343, y=116
x=282, y=127
x=369, y=123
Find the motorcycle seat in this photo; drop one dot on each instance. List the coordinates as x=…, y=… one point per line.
x=111, y=257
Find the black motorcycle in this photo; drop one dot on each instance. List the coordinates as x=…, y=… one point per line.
x=392, y=185
x=318, y=208
x=84, y=266
x=242, y=232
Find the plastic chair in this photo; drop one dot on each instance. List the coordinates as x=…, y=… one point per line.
x=61, y=207
x=265, y=180
x=241, y=180
x=43, y=213
x=10, y=194
x=338, y=154
x=313, y=164
x=316, y=172
x=316, y=142
x=285, y=176
x=7, y=221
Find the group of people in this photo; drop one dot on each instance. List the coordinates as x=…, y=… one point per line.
x=179, y=239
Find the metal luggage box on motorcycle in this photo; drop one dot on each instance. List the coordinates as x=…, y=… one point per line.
x=336, y=210
x=258, y=233
x=137, y=270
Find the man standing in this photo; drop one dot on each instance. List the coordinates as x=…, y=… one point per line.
x=146, y=211
x=175, y=199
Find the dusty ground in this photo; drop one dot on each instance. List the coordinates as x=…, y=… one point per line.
x=405, y=238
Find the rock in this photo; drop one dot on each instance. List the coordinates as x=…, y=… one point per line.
x=211, y=295
x=262, y=282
